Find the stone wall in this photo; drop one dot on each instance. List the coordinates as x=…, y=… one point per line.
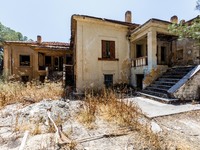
x=186, y=52
x=190, y=90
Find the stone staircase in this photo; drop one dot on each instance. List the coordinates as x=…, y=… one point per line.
x=159, y=88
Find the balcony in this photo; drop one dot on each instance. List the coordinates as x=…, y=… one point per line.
x=138, y=62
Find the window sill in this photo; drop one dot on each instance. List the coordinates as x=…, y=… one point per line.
x=108, y=59
x=25, y=66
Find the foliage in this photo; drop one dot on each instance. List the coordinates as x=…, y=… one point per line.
x=187, y=30
x=7, y=34
x=198, y=5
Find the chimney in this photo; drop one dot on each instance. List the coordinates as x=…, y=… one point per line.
x=39, y=39
x=128, y=17
x=174, y=19
x=182, y=21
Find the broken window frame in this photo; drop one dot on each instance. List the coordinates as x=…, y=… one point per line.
x=24, y=60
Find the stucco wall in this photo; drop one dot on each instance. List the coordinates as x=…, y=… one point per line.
x=12, y=64
x=88, y=69
x=190, y=90
x=12, y=68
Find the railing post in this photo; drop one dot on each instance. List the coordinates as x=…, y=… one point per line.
x=141, y=61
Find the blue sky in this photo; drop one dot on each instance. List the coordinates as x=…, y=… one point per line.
x=51, y=18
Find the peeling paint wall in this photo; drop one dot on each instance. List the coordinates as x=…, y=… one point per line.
x=190, y=90
x=153, y=75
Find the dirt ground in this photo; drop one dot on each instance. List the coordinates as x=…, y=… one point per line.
x=180, y=131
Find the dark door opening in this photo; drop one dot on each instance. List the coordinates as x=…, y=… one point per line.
x=138, y=51
x=163, y=54
x=60, y=63
x=69, y=75
x=48, y=61
x=139, y=79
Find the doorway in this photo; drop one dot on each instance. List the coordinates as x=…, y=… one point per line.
x=138, y=50
x=139, y=81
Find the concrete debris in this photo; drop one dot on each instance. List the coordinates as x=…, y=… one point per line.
x=155, y=128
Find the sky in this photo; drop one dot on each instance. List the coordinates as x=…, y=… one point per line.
x=52, y=18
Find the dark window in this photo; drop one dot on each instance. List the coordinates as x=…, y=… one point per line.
x=48, y=60
x=68, y=59
x=138, y=50
x=24, y=60
x=108, y=49
x=163, y=54
x=60, y=63
x=24, y=79
x=108, y=80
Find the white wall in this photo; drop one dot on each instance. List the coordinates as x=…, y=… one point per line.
x=89, y=70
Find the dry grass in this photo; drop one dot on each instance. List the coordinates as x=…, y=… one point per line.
x=124, y=114
x=13, y=92
x=107, y=106
x=36, y=130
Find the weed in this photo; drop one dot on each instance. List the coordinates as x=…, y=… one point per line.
x=121, y=112
x=12, y=92
x=36, y=130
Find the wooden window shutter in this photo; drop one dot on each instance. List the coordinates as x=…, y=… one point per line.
x=112, y=49
x=103, y=45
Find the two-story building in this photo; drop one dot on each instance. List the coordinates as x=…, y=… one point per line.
x=146, y=56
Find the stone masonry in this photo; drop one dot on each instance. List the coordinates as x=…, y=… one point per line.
x=190, y=90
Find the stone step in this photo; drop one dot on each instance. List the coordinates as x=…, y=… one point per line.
x=165, y=100
x=151, y=88
x=173, y=76
x=160, y=94
x=168, y=79
x=161, y=86
x=176, y=73
x=165, y=82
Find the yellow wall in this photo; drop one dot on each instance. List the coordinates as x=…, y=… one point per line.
x=88, y=69
x=12, y=62
x=12, y=68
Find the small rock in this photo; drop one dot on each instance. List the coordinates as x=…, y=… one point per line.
x=155, y=127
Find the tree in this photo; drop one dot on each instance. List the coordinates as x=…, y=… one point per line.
x=7, y=34
x=189, y=29
x=198, y=5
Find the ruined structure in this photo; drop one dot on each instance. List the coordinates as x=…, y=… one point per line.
x=146, y=56
x=27, y=60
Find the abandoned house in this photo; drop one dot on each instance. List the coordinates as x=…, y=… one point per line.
x=27, y=60
x=146, y=56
